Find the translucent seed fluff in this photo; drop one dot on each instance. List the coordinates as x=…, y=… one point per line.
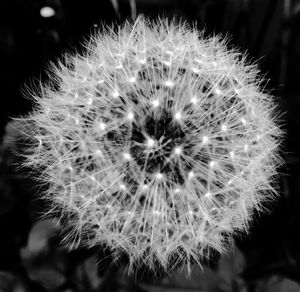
x=156, y=142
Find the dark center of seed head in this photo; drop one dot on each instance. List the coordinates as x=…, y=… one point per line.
x=168, y=134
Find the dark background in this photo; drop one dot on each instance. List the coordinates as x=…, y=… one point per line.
x=268, y=259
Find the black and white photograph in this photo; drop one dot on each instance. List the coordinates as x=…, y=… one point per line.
x=150, y=146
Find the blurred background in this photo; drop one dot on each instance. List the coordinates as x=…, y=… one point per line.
x=34, y=32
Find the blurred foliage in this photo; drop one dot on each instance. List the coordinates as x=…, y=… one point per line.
x=31, y=258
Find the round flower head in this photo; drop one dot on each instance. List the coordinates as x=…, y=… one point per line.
x=156, y=142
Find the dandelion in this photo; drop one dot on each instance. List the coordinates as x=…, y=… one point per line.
x=160, y=161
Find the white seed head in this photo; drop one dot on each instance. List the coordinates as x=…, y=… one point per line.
x=100, y=129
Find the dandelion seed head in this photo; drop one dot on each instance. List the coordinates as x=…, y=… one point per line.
x=127, y=170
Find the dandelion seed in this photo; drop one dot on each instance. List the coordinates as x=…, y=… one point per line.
x=159, y=176
x=102, y=126
x=155, y=103
x=150, y=142
x=169, y=83
x=218, y=91
x=98, y=152
x=224, y=128
x=194, y=100
x=178, y=116
x=177, y=150
x=115, y=94
x=191, y=174
x=126, y=156
x=204, y=139
x=132, y=79
x=130, y=116
x=212, y=164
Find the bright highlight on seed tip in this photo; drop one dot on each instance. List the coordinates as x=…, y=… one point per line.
x=178, y=116
x=150, y=142
x=191, y=174
x=102, y=126
x=177, y=150
x=115, y=94
x=122, y=187
x=98, y=152
x=218, y=91
x=159, y=175
x=47, y=12
x=130, y=116
x=224, y=128
x=126, y=156
x=169, y=83
x=194, y=100
x=132, y=79
x=205, y=139
x=155, y=103
x=243, y=121
x=212, y=164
